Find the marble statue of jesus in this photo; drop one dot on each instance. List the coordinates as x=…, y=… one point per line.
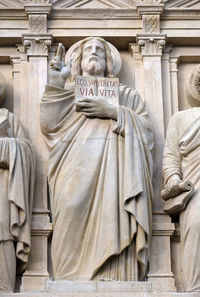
x=99, y=171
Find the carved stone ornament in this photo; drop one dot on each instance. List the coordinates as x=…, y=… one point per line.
x=37, y=46
x=11, y=4
x=151, y=46
x=94, y=3
x=184, y=4
x=38, y=23
x=36, y=2
x=150, y=1
x=37, y=7
x=94, y=160
x=193, y=87
x=151, y=23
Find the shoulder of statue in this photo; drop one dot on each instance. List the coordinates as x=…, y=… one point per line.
x=183, y=113
x=132, y=91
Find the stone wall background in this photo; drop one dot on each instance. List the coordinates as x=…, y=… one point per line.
x=159, y=44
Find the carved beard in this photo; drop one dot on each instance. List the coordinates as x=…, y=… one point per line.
x=93, y=65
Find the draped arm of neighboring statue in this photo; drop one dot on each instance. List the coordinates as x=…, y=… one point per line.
x=171, y=154
x=16, y=152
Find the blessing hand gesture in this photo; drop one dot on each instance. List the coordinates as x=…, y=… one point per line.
x=58, y=71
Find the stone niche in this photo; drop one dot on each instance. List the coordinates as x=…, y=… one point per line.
x=159, y=45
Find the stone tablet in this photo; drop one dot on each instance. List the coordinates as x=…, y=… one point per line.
x=102, y=87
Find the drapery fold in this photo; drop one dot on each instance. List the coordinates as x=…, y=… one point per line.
x=17, y=179
x=100, y=183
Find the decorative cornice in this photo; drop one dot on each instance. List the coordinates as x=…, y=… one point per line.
x=150, y=9
x=90, y=3
x=36, y=2
x=37, y=8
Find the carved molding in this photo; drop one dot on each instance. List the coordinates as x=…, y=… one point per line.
x=146, y=9
x=151, y=45
x=11, y=4
x=94, y=3
x=38, y=23
x=151, y=23
x=35, y=45
x=40, y=8
x=150, y=1
x=36, y=2
x=184, y=4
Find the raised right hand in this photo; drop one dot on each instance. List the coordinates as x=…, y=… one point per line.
x=58, y=71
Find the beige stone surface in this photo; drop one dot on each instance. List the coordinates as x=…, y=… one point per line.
x=99, y=294
x=101, y=248
x=162, y=85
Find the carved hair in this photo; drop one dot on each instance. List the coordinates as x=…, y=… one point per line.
x=193, y=87
x=197, y=79
x=76, y=63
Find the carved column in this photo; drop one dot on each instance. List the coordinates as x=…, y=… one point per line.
x=152, y=43
x=34, y=55
x=167, y=85
x=138, y=67
x=174, y=61
x=16, y=64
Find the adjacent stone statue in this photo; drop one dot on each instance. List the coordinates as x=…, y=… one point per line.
x=99, y=170
x=181, y=162
x=16, y=193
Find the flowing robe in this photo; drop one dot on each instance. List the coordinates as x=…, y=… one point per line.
x=16, y=184
x=182, y=156
x=100, y=187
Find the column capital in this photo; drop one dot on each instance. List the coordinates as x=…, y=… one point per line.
x=37, y=45
x=173, y=62
x=135, y=51
x=151, y=44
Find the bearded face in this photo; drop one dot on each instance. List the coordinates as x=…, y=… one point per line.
x=93, y=58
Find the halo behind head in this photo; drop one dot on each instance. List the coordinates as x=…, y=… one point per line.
x=117, y=63
x=193, y=88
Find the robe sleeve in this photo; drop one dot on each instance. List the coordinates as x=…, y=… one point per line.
x=133, y=124
x=131, y=102
x=171, y=154
x=56, y=104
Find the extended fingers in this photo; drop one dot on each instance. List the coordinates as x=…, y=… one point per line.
x=54, y=64
x=87, y=100
x=89, y=114
x=59, y=52
x=83, y=104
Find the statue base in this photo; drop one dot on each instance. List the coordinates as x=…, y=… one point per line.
x=97, y=289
